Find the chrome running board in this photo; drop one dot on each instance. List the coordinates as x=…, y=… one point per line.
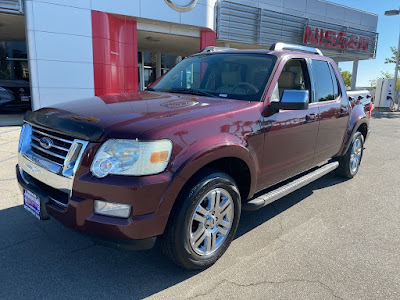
x=267, y=198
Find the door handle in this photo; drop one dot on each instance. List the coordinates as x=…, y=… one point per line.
x=343, y=110
x=310, y=118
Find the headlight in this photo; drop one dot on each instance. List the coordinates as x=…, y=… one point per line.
x=130, y=157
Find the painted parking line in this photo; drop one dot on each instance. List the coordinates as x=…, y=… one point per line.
x=8, y=158
x=8, y=179
x=10, y=131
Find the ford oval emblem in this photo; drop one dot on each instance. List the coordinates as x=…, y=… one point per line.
x=46, y=142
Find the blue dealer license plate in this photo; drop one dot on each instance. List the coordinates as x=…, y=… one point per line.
x=32, y=203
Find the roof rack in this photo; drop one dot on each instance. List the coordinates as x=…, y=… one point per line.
x=215, y=49
x=294, y=47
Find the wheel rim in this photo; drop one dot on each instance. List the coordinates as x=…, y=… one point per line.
x=211, y=222
x=355, y=156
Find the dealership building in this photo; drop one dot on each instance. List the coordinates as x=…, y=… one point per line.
x=72, y=49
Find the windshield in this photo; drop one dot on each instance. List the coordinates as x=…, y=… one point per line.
x=226, y=75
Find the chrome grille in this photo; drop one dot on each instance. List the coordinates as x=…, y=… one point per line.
x=60, y=145
x=51, y=166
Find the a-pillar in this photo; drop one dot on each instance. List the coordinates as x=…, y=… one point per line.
x=354, y=74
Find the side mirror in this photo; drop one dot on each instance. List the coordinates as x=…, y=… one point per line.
x=292, y=100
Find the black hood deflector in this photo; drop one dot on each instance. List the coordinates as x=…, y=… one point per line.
x=49, y=119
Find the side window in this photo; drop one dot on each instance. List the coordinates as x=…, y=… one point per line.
x=324, y=90
x=294, y=76
x=335, y=82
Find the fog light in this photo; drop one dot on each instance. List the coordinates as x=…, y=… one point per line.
x=112, y=209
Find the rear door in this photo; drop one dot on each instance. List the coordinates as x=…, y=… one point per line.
x=333, y=109
x=290, y=135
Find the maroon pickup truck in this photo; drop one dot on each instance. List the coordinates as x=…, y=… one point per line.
x=179, y=162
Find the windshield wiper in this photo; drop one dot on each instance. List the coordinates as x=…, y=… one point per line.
x=189, y=91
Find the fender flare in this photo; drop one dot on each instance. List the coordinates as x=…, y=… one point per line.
x=214, y=152
x=350, y=132
x=200, y=159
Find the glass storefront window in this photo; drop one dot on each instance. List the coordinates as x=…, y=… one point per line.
x=168, y=61
x=148, y=75
x=149, y=66
x=147, y=59
x=13, y=61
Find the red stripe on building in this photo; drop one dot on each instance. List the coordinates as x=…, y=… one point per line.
x=115, y=60
x=207, y=38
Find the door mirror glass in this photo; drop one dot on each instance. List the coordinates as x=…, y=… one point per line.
x=292, y=100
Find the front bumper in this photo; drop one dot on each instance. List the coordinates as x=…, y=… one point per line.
x=67, y=190
x=136, y=232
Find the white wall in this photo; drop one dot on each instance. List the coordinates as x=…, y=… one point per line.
x=60, y=51
x=202, y=15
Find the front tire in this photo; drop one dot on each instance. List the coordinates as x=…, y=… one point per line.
x=349, y=163
x=203, y=222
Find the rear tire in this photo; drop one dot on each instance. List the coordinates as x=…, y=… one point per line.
x=349, y=163
x=203, y=222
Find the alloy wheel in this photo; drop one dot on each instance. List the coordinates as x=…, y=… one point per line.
x=355, y=156
x=211, y=221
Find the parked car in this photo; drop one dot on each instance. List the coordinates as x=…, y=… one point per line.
x=362, y=97
x=14, y=92
x=6, y=96
x=179, y=162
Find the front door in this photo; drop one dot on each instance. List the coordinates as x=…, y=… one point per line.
x=290, y=135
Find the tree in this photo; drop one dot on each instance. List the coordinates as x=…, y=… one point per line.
x=346, y=75
x=388, y=60
x=384, y=75
x=392, y=59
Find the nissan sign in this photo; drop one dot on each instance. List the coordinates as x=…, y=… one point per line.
x=333, y=39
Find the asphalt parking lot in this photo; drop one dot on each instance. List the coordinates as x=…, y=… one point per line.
x=332, y=239
x=11, y=116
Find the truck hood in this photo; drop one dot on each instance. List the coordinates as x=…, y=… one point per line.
x=127, y=115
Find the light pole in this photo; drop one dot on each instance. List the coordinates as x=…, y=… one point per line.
x=395, y=12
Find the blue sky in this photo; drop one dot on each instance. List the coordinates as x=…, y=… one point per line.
x=388, y=29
